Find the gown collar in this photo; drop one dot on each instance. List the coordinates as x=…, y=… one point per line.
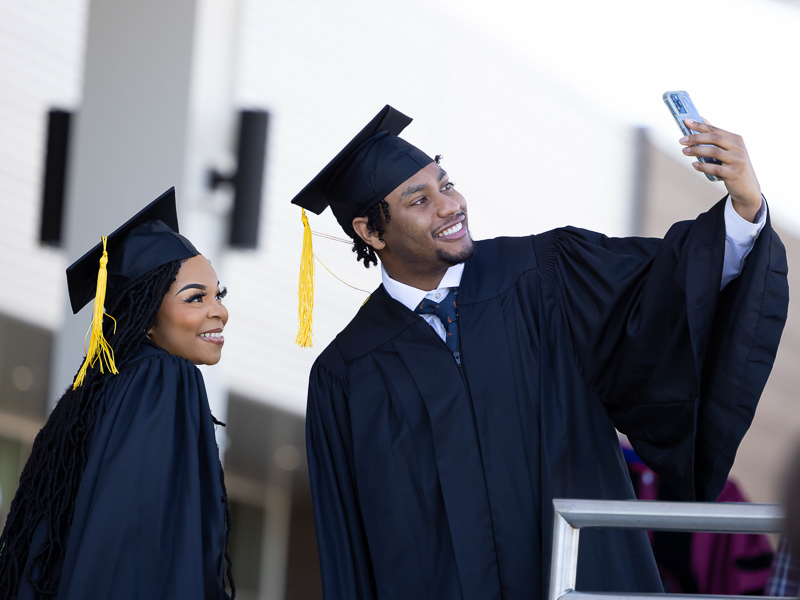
x=409, y=296
x=145, y=349
x=494, y=268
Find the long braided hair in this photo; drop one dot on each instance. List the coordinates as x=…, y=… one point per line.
x=49, y=482
x=376, y=217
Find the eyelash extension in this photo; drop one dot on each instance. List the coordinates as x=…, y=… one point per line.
x=195, y=297
x=223, y=292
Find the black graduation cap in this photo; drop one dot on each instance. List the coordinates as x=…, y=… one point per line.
x=373, y=164
x=148, y=240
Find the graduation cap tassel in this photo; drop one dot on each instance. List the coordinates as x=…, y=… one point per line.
x=99, y=348
x=305, y=292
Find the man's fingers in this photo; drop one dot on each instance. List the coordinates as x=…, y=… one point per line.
x=707, y=128
x=721, y=171
x=711, y=152
x=729, y=149
x=702, y=127
x=714, y=139
x=709, y=134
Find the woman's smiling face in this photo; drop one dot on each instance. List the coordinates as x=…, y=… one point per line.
x=191, y=318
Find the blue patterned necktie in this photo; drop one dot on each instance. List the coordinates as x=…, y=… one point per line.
x=446, y=309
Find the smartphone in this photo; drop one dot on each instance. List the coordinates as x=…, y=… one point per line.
x=681, y=106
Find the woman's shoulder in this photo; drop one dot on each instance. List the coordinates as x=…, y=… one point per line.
x=149, y=353
x=152, y=367
x=151, y=376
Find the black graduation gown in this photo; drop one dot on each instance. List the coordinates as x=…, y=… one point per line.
x=436, y=481
x=149, y=519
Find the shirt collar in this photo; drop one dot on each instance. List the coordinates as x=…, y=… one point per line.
x=409, y=296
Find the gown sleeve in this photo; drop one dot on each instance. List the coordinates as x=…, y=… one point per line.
x=343, y=552
x=678, y=364
x=149, y=519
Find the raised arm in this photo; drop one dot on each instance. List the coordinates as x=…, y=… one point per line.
x=678, y=364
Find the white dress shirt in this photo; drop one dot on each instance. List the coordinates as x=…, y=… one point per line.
x=740, y=236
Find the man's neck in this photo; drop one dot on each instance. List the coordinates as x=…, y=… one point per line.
x=410, y=296
x=424, y=282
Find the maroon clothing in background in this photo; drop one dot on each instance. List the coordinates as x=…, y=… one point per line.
x=705, y=563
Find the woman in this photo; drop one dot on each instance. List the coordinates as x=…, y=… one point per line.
x=123, y=495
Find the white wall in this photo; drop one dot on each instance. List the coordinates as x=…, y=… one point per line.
x=41, y=67
x=517, y=145
x=736, y=58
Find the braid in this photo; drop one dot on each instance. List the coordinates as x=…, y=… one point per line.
x=376, y=217
x=228, y=523
x=49, y=482
x=228, y=517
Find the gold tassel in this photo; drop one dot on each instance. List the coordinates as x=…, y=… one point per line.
x=305, y=292
x=99, y=348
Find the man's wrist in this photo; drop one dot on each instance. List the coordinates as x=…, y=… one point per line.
x=747, y=208
x=738, y=229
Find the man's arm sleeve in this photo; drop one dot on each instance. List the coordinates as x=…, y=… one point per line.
x=740, y=237
x=678, y=364
x=343, y=553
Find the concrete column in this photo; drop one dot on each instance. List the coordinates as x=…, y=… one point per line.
x=157, y=111
x=275, y=544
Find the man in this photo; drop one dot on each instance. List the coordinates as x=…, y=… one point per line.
x=483, y=379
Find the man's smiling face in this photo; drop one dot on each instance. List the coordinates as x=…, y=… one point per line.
x=428, y=231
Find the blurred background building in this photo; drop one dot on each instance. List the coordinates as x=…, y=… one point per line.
x=155, y=90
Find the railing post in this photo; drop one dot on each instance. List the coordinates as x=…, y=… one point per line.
x=564, y=565
x=569, y=516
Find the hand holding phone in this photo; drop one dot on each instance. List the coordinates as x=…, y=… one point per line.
x=681, y=106
x=722, y=155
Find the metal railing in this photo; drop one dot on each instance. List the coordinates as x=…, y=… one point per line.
x=569, y=516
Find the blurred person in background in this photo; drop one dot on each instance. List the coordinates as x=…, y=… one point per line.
x=792, y=501
x=785, y=576
x=695, y=562
x=483, y=379
x=123, y=495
